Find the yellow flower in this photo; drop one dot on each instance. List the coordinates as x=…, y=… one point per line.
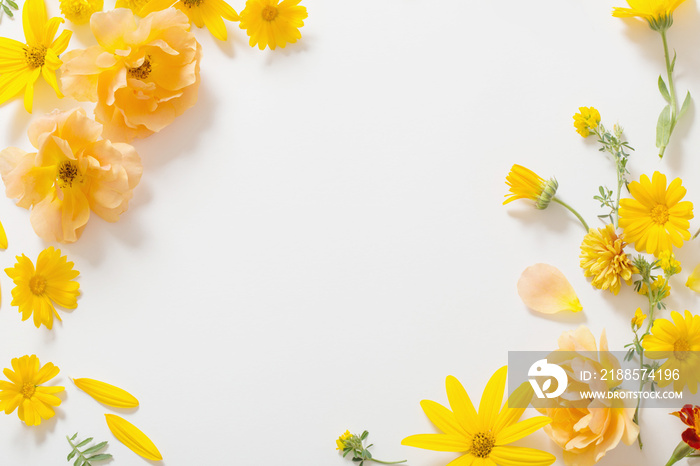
x=655, y=219
x=523, y=183
x=678, y=341
x=270, y=23
x=658, y=13
x=656, y=287
x=72, y=173
x=21, y=64
x=603, y=258
x=209, y=13
x=340, y=442
x=22, y=392
x=668, y=263
x=134, y=5
x=79, y=11
x=37, y=290
x=693, y=281
x=483, y=437
x=638, y=319
x=586, y=120
x=587, y=433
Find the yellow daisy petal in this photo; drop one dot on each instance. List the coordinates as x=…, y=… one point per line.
x=521, y=456
x=437, y=442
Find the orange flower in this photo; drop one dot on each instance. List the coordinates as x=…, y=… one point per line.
x=690, y=415
x=72, y=173
x=141, y=75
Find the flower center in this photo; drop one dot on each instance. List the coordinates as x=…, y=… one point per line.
x=269, y=13
x=679, y=349
x=143, y=71
x=659, y=214
x=28, y=389
x=35, y=56
x=37, y=285
x=482, y=444
x=191, y=3
x=67, y=173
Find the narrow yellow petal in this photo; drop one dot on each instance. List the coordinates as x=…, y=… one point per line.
x=132, y=437
x=492, y=399
x=694, y=280
x=436, y=442
x=543, y=288
x=461, y=405
x=521, y=456
x=521, y=429
x=3, y=237
x=514, y=407
x=443, y=418
x=106, y=393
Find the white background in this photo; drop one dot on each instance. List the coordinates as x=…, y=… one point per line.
x=320, y=241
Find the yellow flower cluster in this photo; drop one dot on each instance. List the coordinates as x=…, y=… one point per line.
x=586, y=120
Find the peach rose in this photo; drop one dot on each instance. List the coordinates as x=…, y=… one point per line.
x=586, y=432
x=141, y=75
x=72, y=173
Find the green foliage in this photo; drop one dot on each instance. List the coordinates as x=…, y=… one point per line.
x=7, y=6
x=613, y=144
x=360, y=453
x=87, y=456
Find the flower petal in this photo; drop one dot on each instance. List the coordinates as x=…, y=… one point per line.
x=492, y=399
x=437, y=442
x=519, y=456
x=543, y=288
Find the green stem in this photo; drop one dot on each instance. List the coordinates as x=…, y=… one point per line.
x=388, y=462
x=571, y=209
x=672, y=89
x=696, y=234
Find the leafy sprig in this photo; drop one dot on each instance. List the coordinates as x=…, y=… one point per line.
x=354, y=444
x=87, y=456
x=7, y=7
x=613, y=144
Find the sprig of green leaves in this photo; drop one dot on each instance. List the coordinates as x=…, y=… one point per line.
x=87, y=456
x=7, y=7
x=354, y=444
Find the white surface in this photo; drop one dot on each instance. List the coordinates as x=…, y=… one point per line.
x=320, y=240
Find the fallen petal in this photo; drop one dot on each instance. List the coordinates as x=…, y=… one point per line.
x=543, y=288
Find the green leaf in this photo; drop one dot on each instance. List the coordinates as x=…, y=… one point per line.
x=8, y=12
x=71, y=455
x=95, y=448
x=673, y=62
x=12, y=4
x=84, y=442
x=79, y=461
x=663, y=127
x=74, y=436
x=664, y=90
x=685, y=106
x=100, y=457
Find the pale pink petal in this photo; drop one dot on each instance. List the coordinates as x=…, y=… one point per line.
x=543, y=288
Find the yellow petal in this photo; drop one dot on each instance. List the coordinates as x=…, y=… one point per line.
x=521, y=429
x=492, y=399
x=436, y=442
x=694, y=280
x=443, y=418
x=521, y=456
x=132, y=437
x=106, y=393
x=514, y=407
x=3, y=237
x=543, y=288
x=461, y=405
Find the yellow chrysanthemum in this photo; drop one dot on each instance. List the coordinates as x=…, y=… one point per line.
x=23, y=390
x=270, y=23
x=79, y=11
x=603, y=258
x=209, y=13
x=340, y=441
x=38, y=289
x=638, y=319
x=678, y=342
x=586, y=120
x=655, y=219
x=523, y=183
x=658, y=13
x=21, y=64
x=482, y=436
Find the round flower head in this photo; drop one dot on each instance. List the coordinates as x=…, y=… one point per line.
x=21, y=64
x=655, y=219
x=603, y=258
x=270, y=23
x=79, y=11
x=525, y=184
x=586, y=120
x=24, y=393
x=658, y=13
x=678, y=342
x=141, y=75
x=38, y=289
x=72, y=173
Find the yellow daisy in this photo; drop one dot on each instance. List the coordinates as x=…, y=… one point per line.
x=586, y=120
x=678, y=342
x=482, y=437
x=655, y=219
x=79, y=11
x=270, y=23
x=209, y=13
x=658, y=13
x=603, y=258
x=37, y=290
x=22, y=392
x=21, y=64
x=523, y=183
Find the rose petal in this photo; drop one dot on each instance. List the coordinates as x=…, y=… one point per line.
x=543, y=288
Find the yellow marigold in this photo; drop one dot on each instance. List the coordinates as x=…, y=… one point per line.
x=141, y=75
x=587, y=433
x=79, y=11
x=603, y=258
x=678, y=342
x=638, y=319
x=24, y=393
x=655, y=219
x=523, y=183
x=21, y=64
x=270, y=23
x=72, y=173
x=586, y=120
x=209, y=13
x=38, y=289
x=658, y=13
